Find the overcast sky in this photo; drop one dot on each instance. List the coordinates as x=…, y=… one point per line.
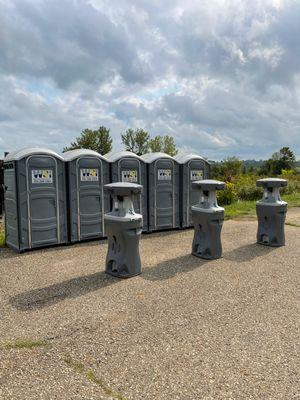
x=222, y=77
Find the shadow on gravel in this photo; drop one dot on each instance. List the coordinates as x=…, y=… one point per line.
x=248, y=252
x=6, y=252
x=47, y=296
x=170, y=268
x=162, y=233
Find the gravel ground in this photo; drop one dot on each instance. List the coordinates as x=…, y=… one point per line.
x=185, y=329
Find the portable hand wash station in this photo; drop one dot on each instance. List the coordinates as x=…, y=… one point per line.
x=123, y=228
x=271, y=212
x=208, y=219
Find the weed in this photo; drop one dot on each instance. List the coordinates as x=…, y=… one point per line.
x=2, y=237
x=78, y=367
x=292, y=224
x=25, y=344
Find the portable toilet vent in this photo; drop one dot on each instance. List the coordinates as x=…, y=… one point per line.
x=163, y=191
x=35, y=199
x=87, y=172
x=126, y=166
x=192, y=168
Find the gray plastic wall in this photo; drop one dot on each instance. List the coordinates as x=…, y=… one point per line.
x=163, y=194
x=190, y=171
x=118, y=171
x=35, y=202
x=208, y=220
x=87, y=202
x=124, y=228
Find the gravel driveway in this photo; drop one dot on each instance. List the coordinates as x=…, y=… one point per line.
x=185, y=329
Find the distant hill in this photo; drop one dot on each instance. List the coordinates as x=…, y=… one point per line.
x=253, y=163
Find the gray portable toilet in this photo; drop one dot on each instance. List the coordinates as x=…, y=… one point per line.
x=35, y=199
x=191, y=168
x=126, y=166
x=163, y=191
x=87, y=172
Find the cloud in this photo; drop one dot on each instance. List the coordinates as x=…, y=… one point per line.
x=222, y=77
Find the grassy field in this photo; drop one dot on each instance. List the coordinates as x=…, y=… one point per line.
x=240, y=209
x=247, y=208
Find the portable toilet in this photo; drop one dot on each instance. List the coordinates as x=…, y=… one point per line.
x=87, y=172
x=126, y=166
x=192, y=168
x=35, y=199
x=163, y=191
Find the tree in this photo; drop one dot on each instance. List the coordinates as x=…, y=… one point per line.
x=282, y=159
x=98, y=140
x=165, y=144
x=136, y=141
x=227, y=169
x=156, y=144
x=169, y=145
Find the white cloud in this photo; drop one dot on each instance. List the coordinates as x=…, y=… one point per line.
x=222, y=76
x=272, y=55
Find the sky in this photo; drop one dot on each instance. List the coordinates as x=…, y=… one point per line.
x=220, y=76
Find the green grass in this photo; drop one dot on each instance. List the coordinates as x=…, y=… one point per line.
x=240, y=209
x=247, y=208
x=25, y=344
x=2, y=237
x=293, y=200
x=78, y=367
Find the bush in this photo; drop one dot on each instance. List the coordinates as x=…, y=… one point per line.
x=293, y=182
x=288, y=173
x=246, y=188
x=228, y=195
x=291, y=188
x=250, y=193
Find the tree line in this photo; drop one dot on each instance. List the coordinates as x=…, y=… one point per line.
x=231, y=167
x=137, y=141
x=140, y=142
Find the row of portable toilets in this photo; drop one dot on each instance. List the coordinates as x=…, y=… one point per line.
x=53, y=199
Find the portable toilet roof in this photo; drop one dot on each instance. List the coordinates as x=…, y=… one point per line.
x=150, y=157
x=72, y=154
x=29, y=151
x=113, y=156
x=182, y=158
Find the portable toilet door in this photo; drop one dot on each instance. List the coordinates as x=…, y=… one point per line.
x=192, y=168
x=163, y=191
x=87, y=172
x=126, y=166
x=35, y=199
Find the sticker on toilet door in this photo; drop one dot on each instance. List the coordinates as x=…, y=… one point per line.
x=196, y=175
x=164, y=174
x=89, y=174
x=130, y=176
x=42, y=175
